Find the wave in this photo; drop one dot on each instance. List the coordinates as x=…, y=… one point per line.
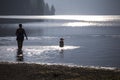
x=42, y=37
x=39, y=48
x=74, y=65
x=30, y=38
x=108, y=35
x=3, y=40
x=7, y=38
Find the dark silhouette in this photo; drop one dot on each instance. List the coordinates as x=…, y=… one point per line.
x=52, y=10
x=46, y=9
x=49, y=10
x=61, y=43
x=20, y=33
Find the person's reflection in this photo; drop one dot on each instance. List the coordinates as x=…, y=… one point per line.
x=61, y=45
x=62, y=53
x=20, y=55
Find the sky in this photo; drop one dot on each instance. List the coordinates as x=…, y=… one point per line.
x=86, y=7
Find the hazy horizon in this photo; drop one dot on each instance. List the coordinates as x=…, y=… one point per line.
x=86, y=7
x=62, y=7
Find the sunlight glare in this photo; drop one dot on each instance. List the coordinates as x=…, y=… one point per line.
x=63, y=17
x=77, y=24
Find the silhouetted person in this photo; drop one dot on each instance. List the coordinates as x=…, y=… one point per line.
x=20, y=33
x=61, y=43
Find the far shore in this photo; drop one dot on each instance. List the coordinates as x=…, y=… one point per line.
x=25, y=71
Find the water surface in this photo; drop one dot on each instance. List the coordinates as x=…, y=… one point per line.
x=89, y=41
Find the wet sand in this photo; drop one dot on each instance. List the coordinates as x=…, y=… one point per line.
x=25, y=71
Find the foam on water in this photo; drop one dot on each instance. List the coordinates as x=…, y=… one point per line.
x=38, y=50
x=43, y=52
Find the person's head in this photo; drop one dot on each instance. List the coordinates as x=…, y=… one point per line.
x=20, y=25
x=61, y=39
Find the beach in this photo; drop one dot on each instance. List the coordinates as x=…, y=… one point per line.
x=25, y=71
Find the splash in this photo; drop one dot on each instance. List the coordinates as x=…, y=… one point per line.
x=46, y=49
x=38, y=49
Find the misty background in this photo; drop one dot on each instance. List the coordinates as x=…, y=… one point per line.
x=59, y=7
x=86, y=7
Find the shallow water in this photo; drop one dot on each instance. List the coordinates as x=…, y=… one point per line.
x=87, y=43
x=94, y=50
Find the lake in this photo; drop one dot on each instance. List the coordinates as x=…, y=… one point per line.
x=89, y=41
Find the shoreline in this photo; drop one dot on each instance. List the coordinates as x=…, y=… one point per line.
x=58, y=64
x=25, y=71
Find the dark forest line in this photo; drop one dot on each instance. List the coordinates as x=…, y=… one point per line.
x=25, y=7
x=22, y=7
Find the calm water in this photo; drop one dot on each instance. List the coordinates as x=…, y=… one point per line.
x=89, y=41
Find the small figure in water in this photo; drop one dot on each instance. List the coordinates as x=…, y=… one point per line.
x=20, y=33
x=61, y=43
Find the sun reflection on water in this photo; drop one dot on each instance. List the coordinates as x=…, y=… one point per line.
x=65, y=17
x=39, y=49
x=78, y=24
x=68, y=20
x=47, y=49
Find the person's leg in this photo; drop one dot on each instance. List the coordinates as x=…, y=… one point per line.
x=21, y=44
x=18, y=44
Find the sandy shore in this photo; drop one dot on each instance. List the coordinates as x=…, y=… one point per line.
x=24, y=71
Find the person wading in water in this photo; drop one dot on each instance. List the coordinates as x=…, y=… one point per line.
x=20, y=33
x=61, y=43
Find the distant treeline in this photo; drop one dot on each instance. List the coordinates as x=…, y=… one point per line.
x=25, y=7
x=22, y=7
